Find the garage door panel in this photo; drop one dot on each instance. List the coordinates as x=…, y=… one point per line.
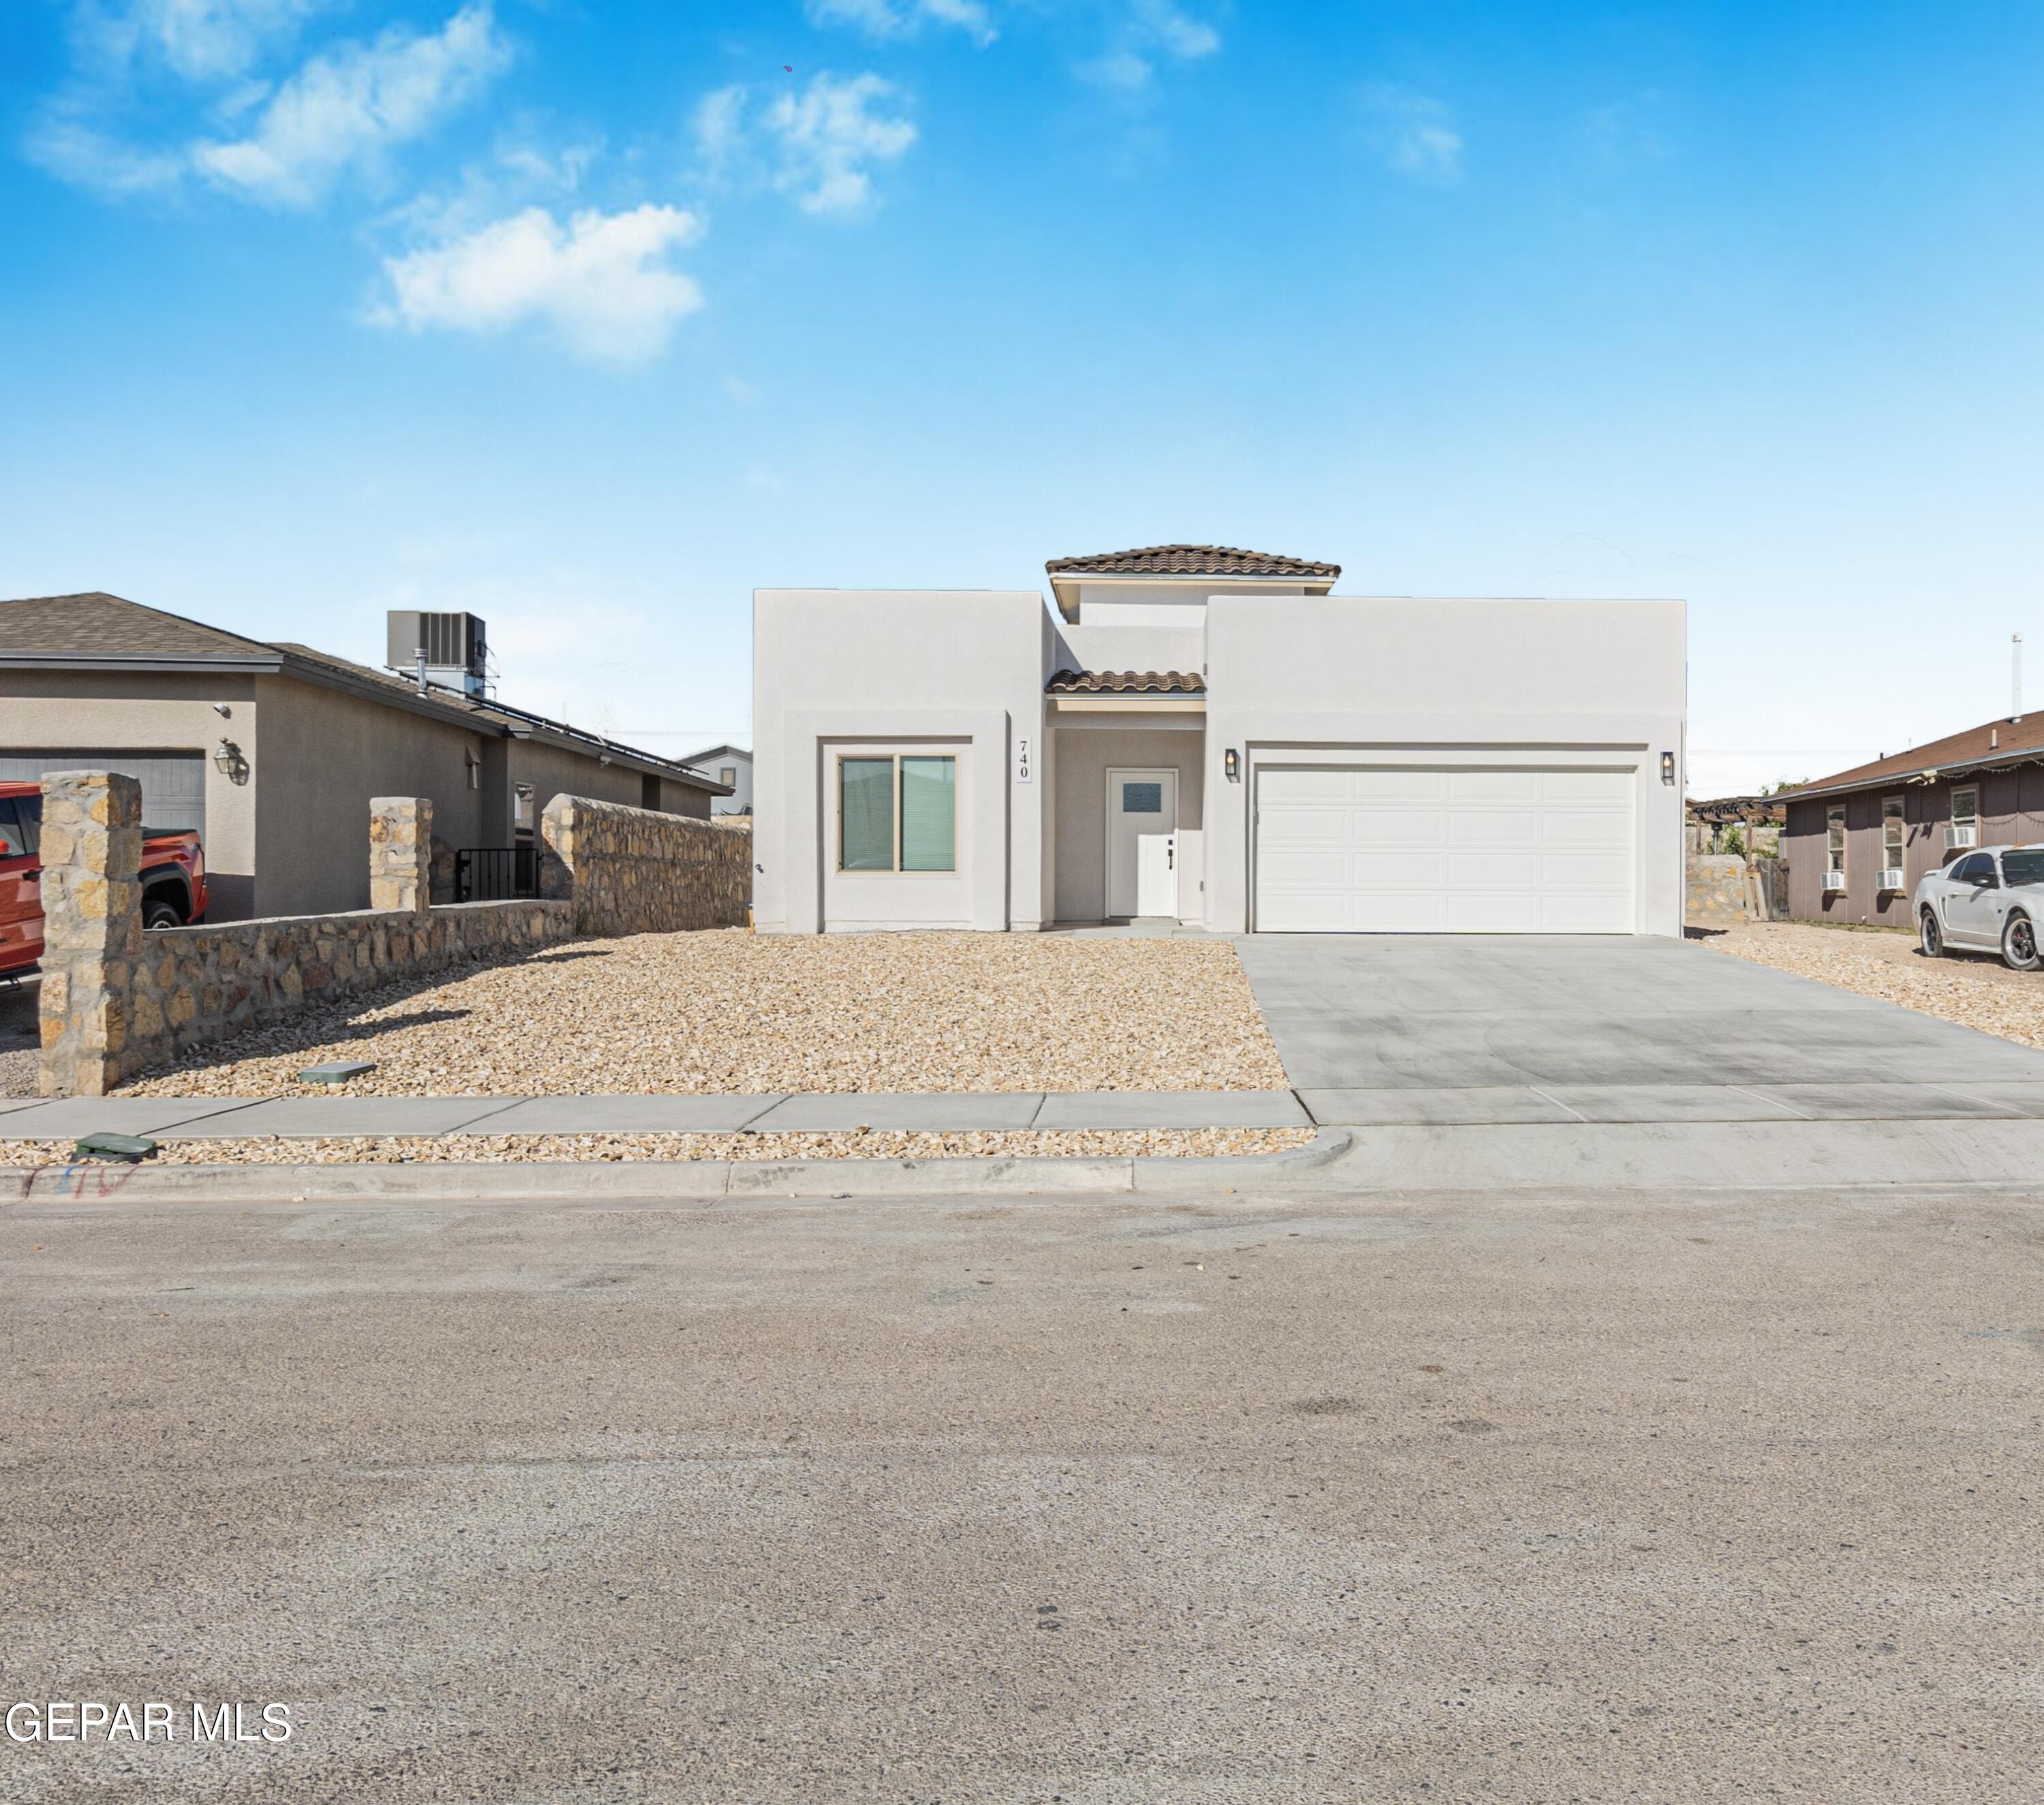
x=1580, y=826
x=1326, y=870
x=1390, y=873
x=1493, y=826
x=173, y=783
x=1392, y=787
x=1606, y=874
x=1414, y=849
x=1308, y=827
x=1395, y=913
x=1306, y=786
x=1415, y=828
x=1582, y=913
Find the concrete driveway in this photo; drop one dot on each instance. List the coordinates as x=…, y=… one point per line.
x=1383, y=1029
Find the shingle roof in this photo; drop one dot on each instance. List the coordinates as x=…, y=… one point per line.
x=1191, y=561
x=99, y=624
x=1985, y=744
x=95, y=627
x=1127, y=682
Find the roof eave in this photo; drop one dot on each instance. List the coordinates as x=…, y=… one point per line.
x=235, y=665
x=1921, y=773
x=1062, y=581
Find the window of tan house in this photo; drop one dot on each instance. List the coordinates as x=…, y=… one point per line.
x=1893, y=831
x=1835, y=837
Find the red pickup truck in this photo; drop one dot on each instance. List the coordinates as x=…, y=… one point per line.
x=173, y=877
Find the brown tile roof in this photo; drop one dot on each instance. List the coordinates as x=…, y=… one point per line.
x=1191, y=561
x=1986, y=744
x=99, y=625
x=1127, y=682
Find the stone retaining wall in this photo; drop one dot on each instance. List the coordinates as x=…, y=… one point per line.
x=632, y=871
x=115, y=1000
x=1717, y=897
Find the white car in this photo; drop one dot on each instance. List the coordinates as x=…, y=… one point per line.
x=1990, y=900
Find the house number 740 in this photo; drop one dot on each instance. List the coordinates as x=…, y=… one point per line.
x=1025, y=771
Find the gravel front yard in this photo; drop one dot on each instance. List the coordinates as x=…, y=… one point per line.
x=726, y=1011
x=1974, y=989
x=1104, y=1143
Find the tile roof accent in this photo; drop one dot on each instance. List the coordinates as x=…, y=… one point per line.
x=1191, y=561
x=98, y=625
x=2012, y=740
x=1127, y=682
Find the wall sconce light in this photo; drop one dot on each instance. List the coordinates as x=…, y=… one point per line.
x=1231, y=764
x=222, y=710
x=230, y=763
x=1667, y=767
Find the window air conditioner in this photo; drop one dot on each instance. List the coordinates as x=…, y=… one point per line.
x=1834, y=880
x=1962, y=833
x=1893, y=878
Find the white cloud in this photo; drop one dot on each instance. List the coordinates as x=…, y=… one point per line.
x=63, y=143
x=897, y=18
x=198, y=40
x=818, y=143
x=602, y=282
x=1143, y=34
x=348, y=106
x=1417, y=133
x=828, y=134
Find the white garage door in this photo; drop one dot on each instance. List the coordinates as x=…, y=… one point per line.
x=1413, y=851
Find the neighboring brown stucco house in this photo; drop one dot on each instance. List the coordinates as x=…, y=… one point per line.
x=1883, y=826
x=274, y=751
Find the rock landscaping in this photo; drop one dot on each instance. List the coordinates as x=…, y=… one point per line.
x=723, y=1011
x=1973, y=989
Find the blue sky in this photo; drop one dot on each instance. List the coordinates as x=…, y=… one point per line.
x=593, y=317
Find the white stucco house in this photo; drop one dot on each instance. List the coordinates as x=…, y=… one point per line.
x=1211, y=737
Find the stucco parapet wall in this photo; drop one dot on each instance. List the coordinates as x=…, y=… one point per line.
x=632, y=871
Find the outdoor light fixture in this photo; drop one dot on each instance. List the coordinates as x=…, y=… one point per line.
x=1667, y=767
x=229, y=762
x=1232, y=765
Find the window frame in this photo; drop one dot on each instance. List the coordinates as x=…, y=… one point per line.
x=1836, y=836
x=1895, y=853
x=898, y=826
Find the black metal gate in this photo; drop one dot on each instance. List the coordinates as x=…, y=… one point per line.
x=496, y=873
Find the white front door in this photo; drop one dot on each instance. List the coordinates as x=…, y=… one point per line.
x=1417, y=850
x=1157, y=874
x=1142, y=806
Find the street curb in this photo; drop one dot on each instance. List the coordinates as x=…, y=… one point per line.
x=704, y=1181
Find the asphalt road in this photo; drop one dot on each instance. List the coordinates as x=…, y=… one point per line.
x=1645, y=1498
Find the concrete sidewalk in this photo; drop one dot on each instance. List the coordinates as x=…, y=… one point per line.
x=186, y=1119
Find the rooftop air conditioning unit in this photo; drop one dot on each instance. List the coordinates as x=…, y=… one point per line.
x=452, y=649
x=1894, y=879
x=1962, y=833
x=1834, y=880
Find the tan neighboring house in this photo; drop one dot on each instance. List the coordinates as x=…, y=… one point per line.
x=1857, y=843
x=273, y=751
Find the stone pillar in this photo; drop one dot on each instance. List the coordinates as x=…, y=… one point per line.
x=400, y=853
x=92, y=928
